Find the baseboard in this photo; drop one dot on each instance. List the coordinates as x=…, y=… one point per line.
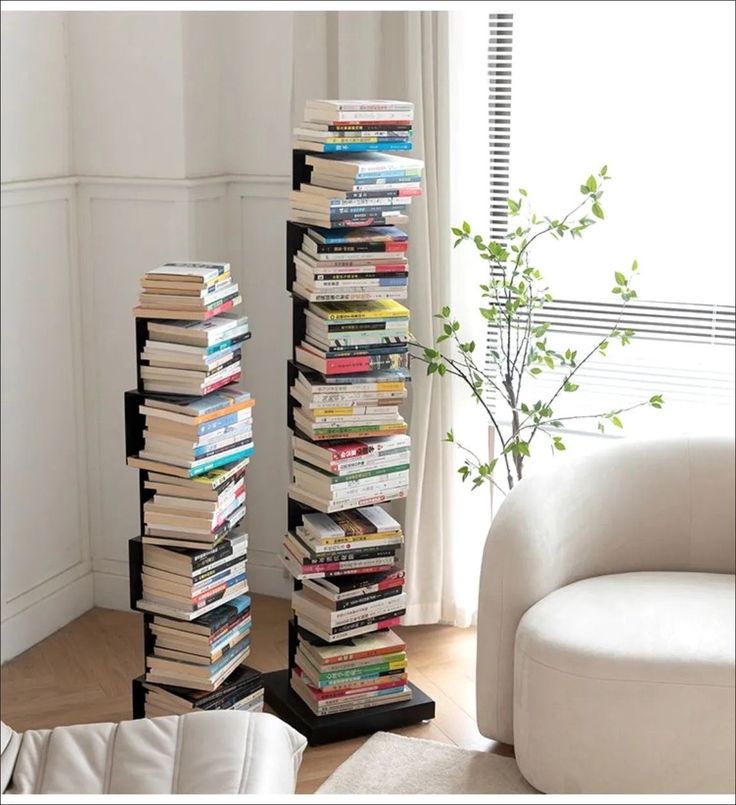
x=112, y=590
x=46, y=616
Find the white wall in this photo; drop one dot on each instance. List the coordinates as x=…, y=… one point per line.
x=126, y=75
x=34, y=129
x=46, y=568
x=171, y=132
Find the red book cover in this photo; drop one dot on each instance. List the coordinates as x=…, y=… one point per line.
x=220, y=383
x=398, y=245
x=220, y=309
x=308, y=570
x=396, y=682
x=354, y=123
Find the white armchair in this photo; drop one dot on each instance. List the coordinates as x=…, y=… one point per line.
x=606, y=621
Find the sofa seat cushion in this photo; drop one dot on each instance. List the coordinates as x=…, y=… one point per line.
x=674, y=627
x=617, y=676
x=224, y=752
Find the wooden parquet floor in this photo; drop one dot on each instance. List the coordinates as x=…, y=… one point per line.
x=82, y=674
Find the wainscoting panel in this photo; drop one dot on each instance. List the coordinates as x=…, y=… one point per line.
x=45, y=541
x=257, y=217
x=125, y=228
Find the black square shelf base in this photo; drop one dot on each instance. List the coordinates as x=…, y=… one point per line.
x=340, y=726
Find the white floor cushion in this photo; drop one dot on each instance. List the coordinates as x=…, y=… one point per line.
x=224, y=752
x=625, y=683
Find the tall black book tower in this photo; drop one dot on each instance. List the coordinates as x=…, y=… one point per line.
x=227, y=694
x=279, y=695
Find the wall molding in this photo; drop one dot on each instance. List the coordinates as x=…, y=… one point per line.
x=46, y=616
x=247, y=179
x=95, y=578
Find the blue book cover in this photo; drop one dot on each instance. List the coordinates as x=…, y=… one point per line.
x=197, y=406
x=411, y=178
x=222, y=422
x=376, y=234
x=244, y=441
x=334, y=148
x=387, y=174
x=221, y=462
x=229, y=656
x=227, y=343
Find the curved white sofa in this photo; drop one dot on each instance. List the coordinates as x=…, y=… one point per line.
x=606, y=622
x=218, y=752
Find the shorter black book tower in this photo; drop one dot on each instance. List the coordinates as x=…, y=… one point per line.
x=279, y=695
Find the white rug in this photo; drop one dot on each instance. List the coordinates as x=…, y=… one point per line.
x=392, y=764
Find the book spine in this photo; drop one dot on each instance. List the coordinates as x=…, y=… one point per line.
x=364, y=363
x=362, y=248
x=384, y=621
x=219, y=462
x=348, y=556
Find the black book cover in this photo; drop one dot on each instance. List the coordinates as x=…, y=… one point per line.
x=368, y=598
x=349, y=556
x=360, y=275
x=360, y=247
x=346, y=627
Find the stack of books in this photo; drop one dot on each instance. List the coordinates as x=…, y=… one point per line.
x=330, y=126
x=186, y=583
x=361, y=540
x=192, y=291
x=352, y=675
x=193, y=358
x=350, y=448
x=196, y=436
x=357, y=264
x=335, y=476
x=189, y=438
x=334, y=344
x=242, y=690
x=366, y=190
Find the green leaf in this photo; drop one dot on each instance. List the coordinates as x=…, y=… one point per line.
x=522, y=448
x=617, y=422
x=604, y=170
x=535, y=370
x=592, y=184
x=601, y=427
x=620, y=278
x=441, y=369
x=457, y=232
x=584, y=189
x=432, y=368
x=445, y=312
x=549, y=361
x=466, y=227
x=656, y=401
x=513, y=206
x=522, y=191
x=450, y=436
x=558, y=443
x=570, y=387
x=635, y=265
x=597, y=210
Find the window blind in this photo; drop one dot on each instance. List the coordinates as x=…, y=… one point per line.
x=682, y=350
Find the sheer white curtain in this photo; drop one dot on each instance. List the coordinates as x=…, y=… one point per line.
x=408, y=54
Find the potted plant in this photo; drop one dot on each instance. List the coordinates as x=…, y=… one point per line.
x=514, y=296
